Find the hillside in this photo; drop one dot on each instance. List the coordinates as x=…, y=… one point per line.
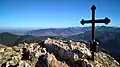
x=9, y=39
x=62, y=54
x=14, y=31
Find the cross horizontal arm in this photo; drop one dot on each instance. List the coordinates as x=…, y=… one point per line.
x=85, y=21
x=106, y=21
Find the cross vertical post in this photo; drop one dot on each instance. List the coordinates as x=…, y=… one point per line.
x=93, y=21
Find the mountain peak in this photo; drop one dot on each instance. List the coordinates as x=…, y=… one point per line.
x=54, y=53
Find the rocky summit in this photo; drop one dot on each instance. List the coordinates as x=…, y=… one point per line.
x=53, y=53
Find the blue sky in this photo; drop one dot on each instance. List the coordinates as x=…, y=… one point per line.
x=55, y=13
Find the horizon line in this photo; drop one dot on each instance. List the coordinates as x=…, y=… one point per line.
x=34, y=28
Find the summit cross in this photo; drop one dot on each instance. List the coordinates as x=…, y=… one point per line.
x=93, y=21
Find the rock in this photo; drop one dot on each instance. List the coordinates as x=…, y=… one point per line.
x=83, y=52
x=24, y=63
x=54, y=53
x=17, y=49
x=8, y=49
x=2, y=50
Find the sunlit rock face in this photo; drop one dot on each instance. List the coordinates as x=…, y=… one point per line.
x=28, y=55
x=53, y=53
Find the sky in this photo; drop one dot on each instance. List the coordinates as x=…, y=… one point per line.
x=55, y=13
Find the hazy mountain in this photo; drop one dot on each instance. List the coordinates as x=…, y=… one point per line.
x=64, y=32
x=48, y=31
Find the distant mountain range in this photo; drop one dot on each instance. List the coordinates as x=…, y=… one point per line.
x=64, y=32
x=109, y=37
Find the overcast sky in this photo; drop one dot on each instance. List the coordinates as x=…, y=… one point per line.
x=55, y=13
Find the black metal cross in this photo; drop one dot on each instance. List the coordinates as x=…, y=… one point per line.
x=93, y=21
